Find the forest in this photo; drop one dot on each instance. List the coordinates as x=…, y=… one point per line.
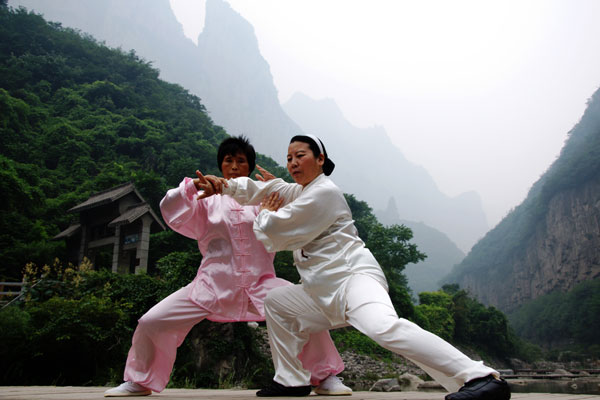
x=565, y=321
x=77, y=117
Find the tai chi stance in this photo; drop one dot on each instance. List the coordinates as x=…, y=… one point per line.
x=342, y=283
x=233, y=279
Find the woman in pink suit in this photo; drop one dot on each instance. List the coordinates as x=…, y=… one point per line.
x=232, y=282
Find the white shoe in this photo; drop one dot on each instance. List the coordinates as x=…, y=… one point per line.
x=128, y=389
x=333, y=386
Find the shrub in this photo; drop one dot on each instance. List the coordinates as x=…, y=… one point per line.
x=63, y=341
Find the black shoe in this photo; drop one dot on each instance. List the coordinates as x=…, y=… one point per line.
x=486, y=388
x=278, y=390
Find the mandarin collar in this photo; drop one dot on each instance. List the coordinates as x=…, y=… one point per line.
x=320, y=177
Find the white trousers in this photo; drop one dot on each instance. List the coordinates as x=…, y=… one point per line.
x=292, y=315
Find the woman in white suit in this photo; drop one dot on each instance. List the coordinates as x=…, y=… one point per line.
x=342, y=283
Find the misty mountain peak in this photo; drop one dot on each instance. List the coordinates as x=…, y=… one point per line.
x=325, y=109
x=391, y=212
x=392, y=207
x=224, y=26
x=361, y=151
x=235, y=82
x=116, y=22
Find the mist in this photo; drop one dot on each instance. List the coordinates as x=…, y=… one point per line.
x=480, y=94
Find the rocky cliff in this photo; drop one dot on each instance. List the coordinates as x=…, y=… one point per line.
x=236, y=84
x=562, y=252
x=148, y=27
x=550, y=242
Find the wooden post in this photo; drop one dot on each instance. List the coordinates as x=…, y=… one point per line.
x=116, y=249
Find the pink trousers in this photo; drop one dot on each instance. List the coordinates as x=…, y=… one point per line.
x=164, y=327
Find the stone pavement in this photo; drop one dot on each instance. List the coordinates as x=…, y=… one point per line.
x=89, y=393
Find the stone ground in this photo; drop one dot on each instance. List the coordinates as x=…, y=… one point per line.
x=89, y=393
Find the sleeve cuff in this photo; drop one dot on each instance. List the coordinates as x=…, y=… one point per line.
x=231, y=187
x=188, y=189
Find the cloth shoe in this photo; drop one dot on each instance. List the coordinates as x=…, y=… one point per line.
x=128, y=389
x=278, y=390
x=486, y=388
x=333, y=386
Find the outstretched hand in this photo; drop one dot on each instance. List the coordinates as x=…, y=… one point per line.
x=272, y=202
x=266, y=175
x=209, y=185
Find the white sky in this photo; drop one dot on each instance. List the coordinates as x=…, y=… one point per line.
x=481, y=93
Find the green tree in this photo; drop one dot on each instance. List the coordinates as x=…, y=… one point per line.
x=392, y=250
x=484, y=328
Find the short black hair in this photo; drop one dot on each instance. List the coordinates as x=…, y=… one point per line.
x=234, y=145
x=328, y=166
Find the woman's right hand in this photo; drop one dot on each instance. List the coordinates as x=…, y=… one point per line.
x=272, y=202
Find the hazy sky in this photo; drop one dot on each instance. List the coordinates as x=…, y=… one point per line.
x=480, y=93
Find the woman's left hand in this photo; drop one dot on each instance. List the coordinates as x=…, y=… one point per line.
x=272, y=202
x=209, y=184
x=266, y=175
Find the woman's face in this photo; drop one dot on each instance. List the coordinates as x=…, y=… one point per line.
x=234, y=166
x=302, y=164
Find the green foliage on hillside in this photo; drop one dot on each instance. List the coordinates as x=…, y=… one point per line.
x=77, y=117
x=578, y=163
x=563, y=320
x=457, y=317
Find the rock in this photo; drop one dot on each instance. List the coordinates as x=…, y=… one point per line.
x=409, y=382
x=560, y=371
x=505, y=372
x=405, y=382
x=384, y=385
x=519, y=364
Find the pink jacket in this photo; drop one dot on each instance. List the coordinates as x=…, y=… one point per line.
x=236, y=270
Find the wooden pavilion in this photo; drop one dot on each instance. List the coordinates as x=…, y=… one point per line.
x=113, y=230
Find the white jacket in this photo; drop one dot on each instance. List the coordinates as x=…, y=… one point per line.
x=316, y=223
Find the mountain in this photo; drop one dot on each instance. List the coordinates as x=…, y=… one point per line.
x=442, y=253
x=371, y=167
x=550, y=242
x=236, y=83
x=233, y=81
x=149, y=27
x=225, y=69
x=79, y=118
